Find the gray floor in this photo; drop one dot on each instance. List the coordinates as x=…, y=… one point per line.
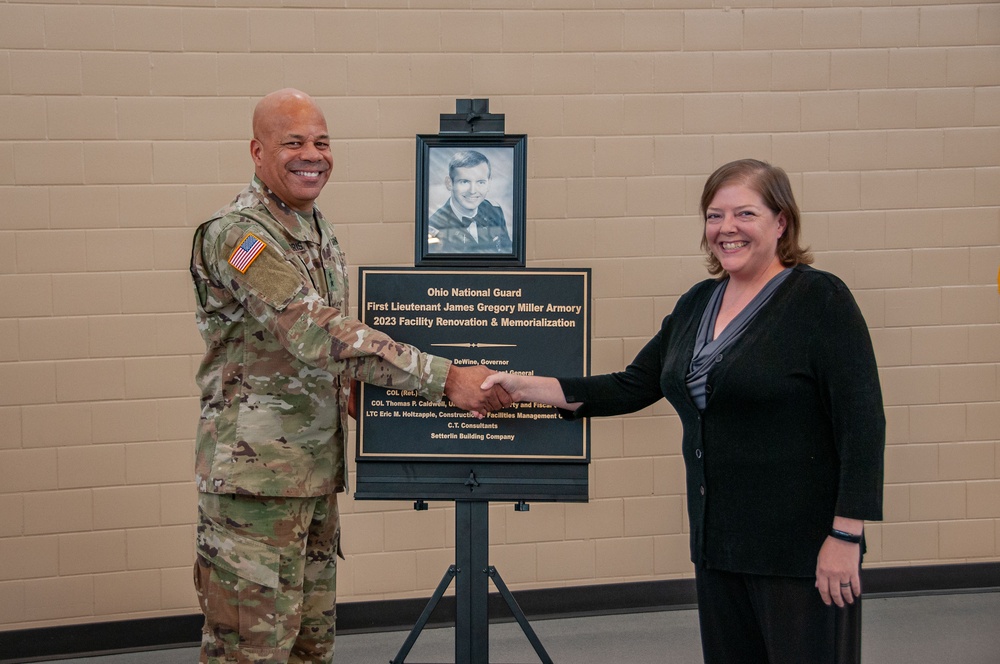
x=956, y=628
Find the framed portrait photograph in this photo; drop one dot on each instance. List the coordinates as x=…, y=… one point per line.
x=470, y=200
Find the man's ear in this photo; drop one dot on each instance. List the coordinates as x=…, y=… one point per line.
x=448, y=184
x=256, y=148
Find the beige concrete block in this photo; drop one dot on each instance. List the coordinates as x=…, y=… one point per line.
x=27, y=383
x=772, y=29
x=937, y=502
x=969, y=305
x=607, y=440
x=50, y=251
x=896, y=503
x=648, y=276
x=83, y=207
x=889, y=189
x=293, y=31
x=22, y=26
x=504, y=74
x=567, y=561
x=562, y=157
x=178, y=503
x=889, y=27
x=708, y=114
x=516, y=563
x=29, y=557
x=28, y=210
x=969, y=227
x=119, y=249
x=831, y=191
x=116, y=73
x=856, y=230
x=983, y=498
x=949, y=26
x=92, y=553
x=431, y=565
x=911, y=463
x=623, y=477
x=158, y=462
x=81, y=294
x=971, y=147
x=405, y=531
x=532, y=31
x=909, y=541
x=893, y=347
x=948, y=108
x=592, y=115
x=122, y=336
x=81, y=118
x=119, y=507
x=439, y=74
x=148, y=118
x=646, y=436
x=741, y=71
x=918, y=68
x=386, y=572
x=833, y=28
x=59, y=597
x=172, y=288
x=910, y=385
x=914, y=228
x=79, y=28
x=940, y=267
x=593, y=31
x=940, y=345
x=380, y=160
x=363, y=533
x=800, y=70
x=119, y=162
x=45, y=72
x=176, y=590
x=771, y=112
x=88, y=380
x=987, y=185
x=859, y=69
x=177, y=163
x=596, y=197
x=91, y=466
x=11, y=515
x=668, y=471
x=48, y=163
x=968, y=461
x=10, y=424
x=630, y=317
x=712, y=29
x=682, y=72
x=981, y=346
x=628, y=557
x=652, y=30
x=212, y=120
x=564, y=73
x=184, y=74
x=623, y=237
x=125, y=593
x=653, y=515
x=223, y=30
x=599, y=518
x=887, y=109
x=798, y=152
x=53, y=338
x=158, y=548
x=987, y=106
x=627, y=73
x=652, y=114
x=378, y=73
x=946, y=188
x=47, y=512
x=897, y=425
x=983, y=421
x=968, y=383
x=150, y=29
x=124, y=421
x=828, y=110
x=672, y=554
x=249, y=74
x=545, y=522
x=175, y=335
x=920, y=148
x=967, y=539
x=937, y=423
x=470, y=31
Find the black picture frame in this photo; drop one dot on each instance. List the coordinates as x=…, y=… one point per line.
x=440, y=238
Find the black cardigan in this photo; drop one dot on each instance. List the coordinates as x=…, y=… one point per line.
x=793, y=431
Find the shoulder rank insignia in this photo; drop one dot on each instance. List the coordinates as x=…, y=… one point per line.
x=250, y=247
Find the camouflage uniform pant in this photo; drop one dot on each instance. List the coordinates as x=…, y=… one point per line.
x=266, y=577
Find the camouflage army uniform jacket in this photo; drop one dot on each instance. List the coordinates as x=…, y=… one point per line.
x=280, y=349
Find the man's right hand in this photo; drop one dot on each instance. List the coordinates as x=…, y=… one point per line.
x=462, y=387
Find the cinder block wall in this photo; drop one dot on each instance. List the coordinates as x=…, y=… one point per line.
x=124, y=124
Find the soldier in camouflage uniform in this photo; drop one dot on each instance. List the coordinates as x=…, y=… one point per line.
x=270, y=283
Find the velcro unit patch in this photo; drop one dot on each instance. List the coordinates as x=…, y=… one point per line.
x=248, y=250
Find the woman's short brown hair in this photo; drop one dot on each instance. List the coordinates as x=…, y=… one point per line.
x=771, y=182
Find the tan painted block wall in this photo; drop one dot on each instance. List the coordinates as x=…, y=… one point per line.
x=124, y=124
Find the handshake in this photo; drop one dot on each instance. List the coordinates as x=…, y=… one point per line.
x=481, y=390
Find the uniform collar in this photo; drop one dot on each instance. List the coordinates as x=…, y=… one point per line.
x=299, y=225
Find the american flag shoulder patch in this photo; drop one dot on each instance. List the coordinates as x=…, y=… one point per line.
x=248, y=250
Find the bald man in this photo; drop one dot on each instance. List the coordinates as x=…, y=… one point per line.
x=271, y=291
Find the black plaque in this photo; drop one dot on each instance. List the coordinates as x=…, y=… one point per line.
x=534, y=321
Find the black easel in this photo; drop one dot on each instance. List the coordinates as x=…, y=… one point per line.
x=472, y=573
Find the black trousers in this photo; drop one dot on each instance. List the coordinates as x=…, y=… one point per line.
x=753, y=619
